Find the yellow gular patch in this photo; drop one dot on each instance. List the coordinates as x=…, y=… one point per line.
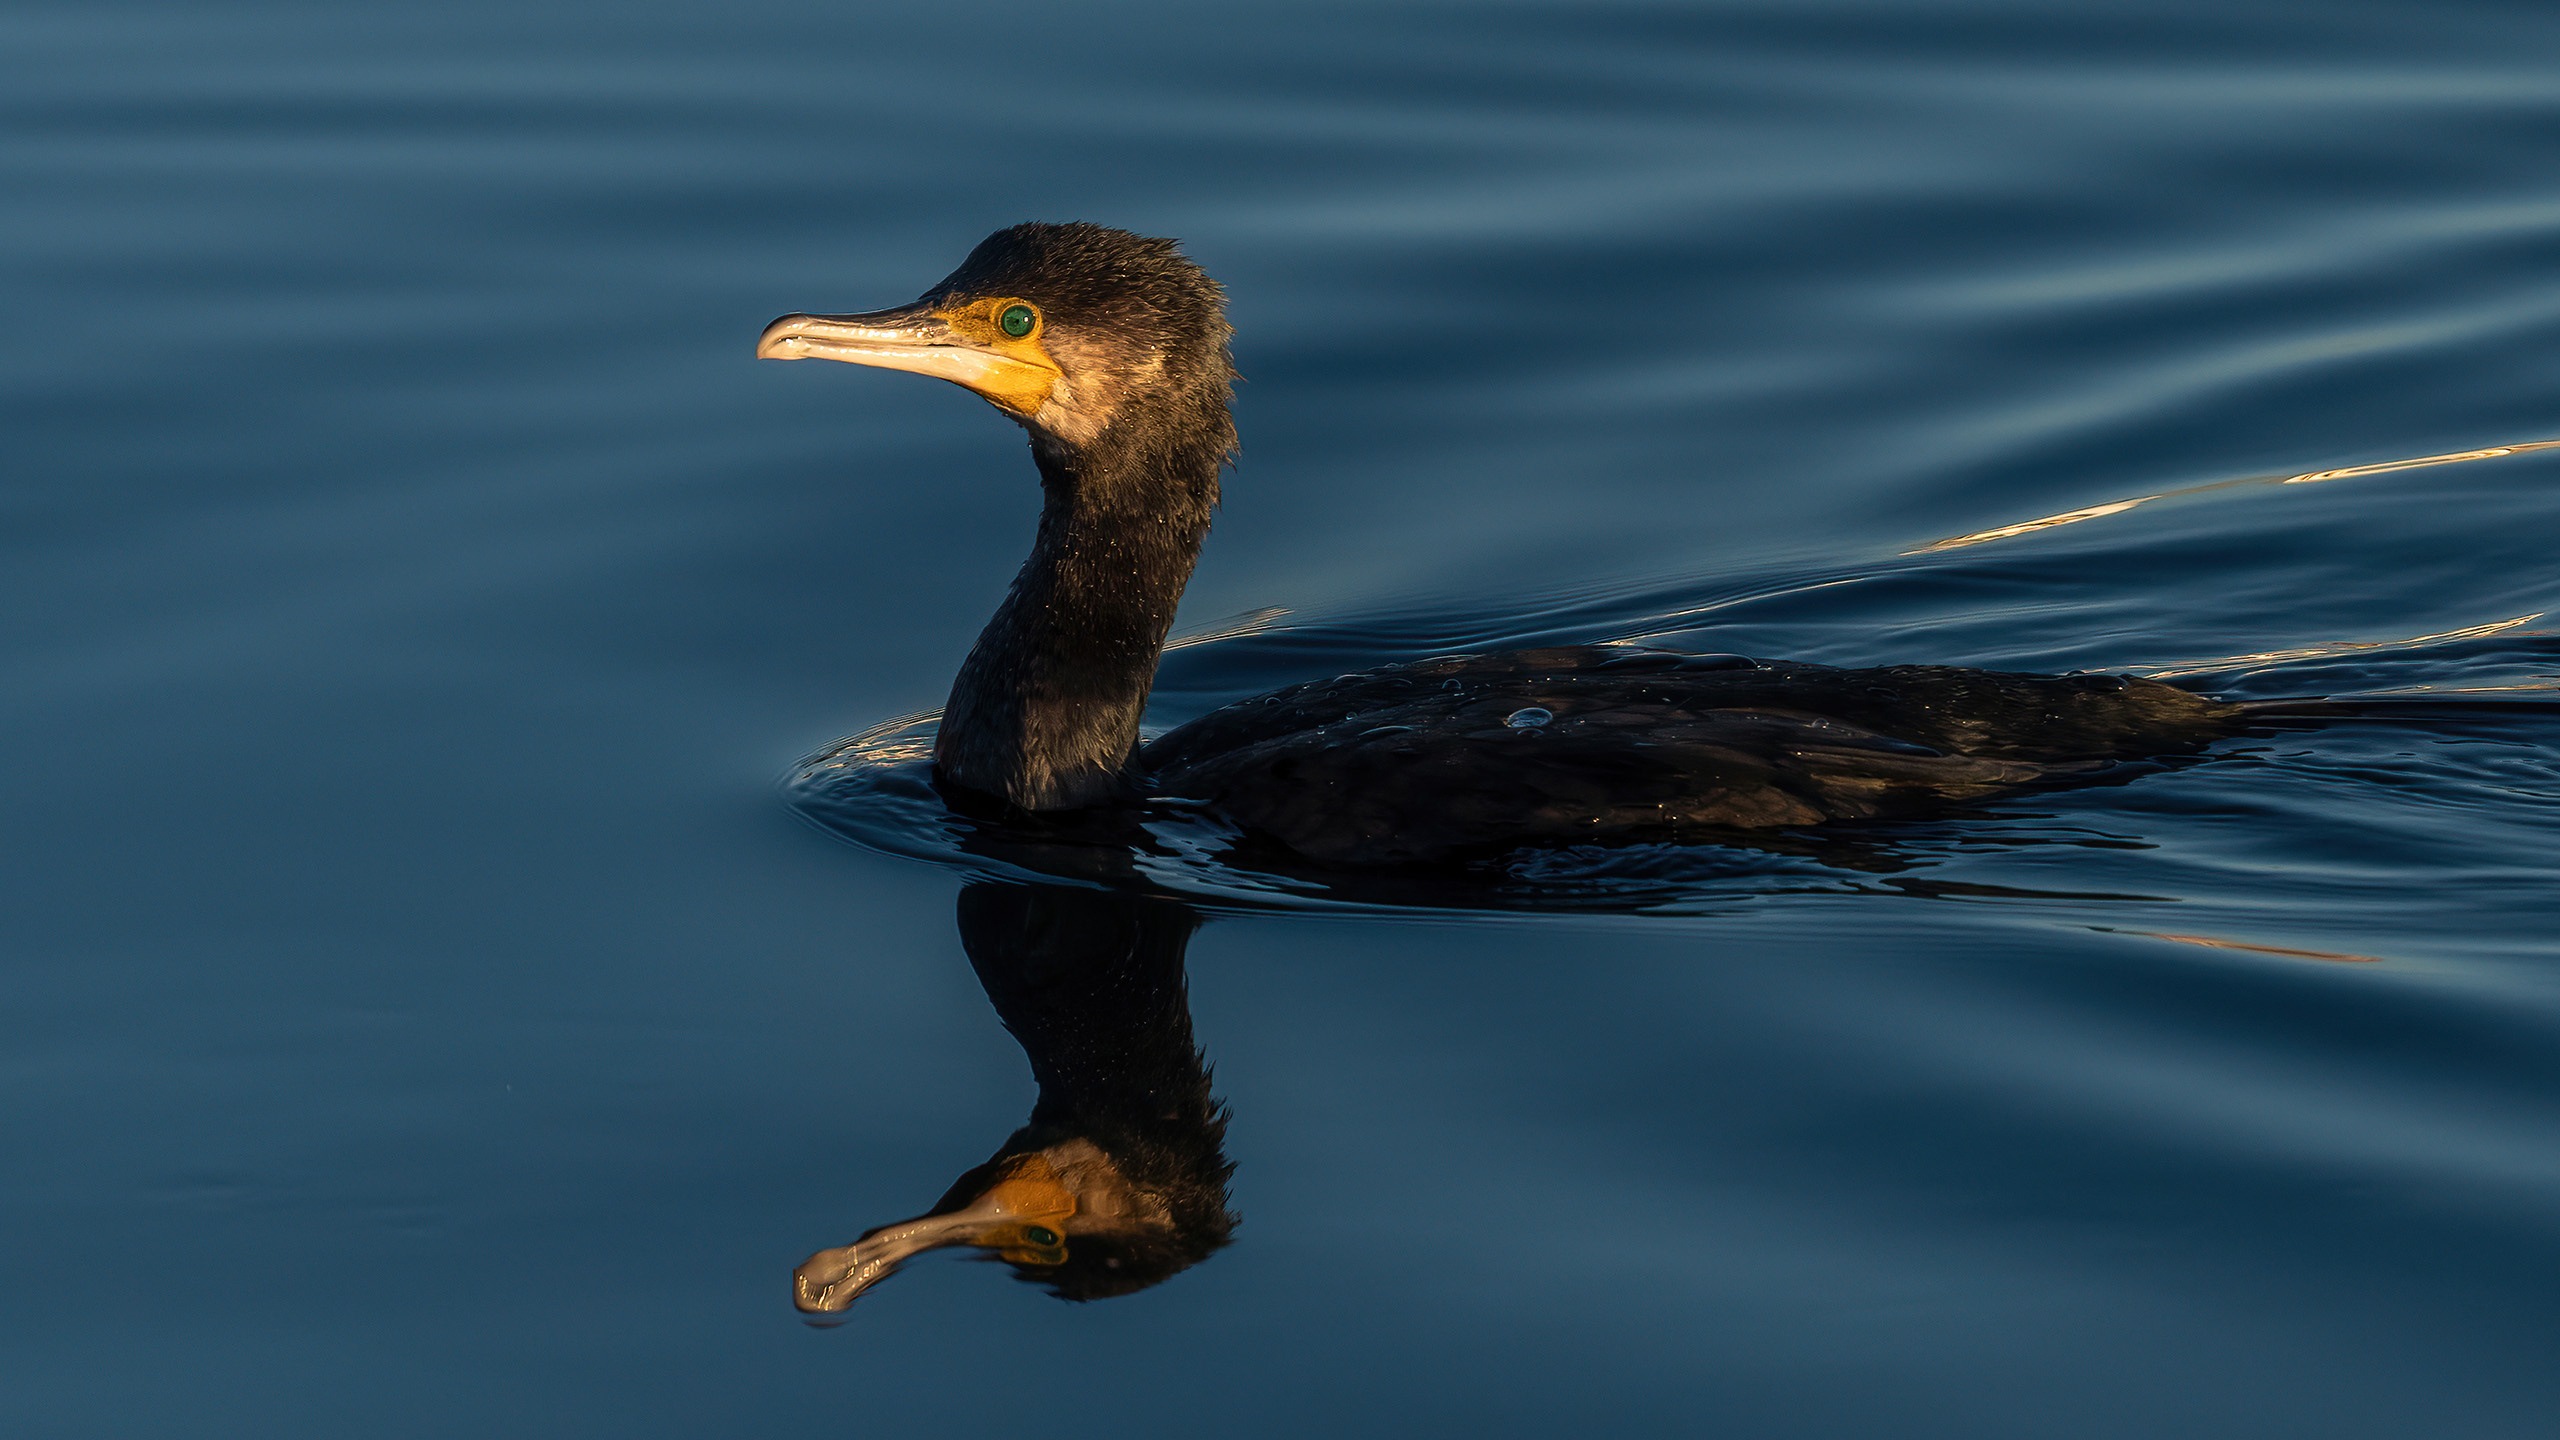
x=1023, y=376
x=1036, y=1208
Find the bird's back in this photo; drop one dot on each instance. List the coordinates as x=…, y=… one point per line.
x=1419, y=763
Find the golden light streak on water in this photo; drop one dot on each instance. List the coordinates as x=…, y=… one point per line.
x=2346, y=647
x=2310, y=477
x=2024, y=527
x=2288, y=951
x=2453, y=458
x=1252, y=622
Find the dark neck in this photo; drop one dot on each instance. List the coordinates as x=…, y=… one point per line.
x=1091, y=983
x=1045, y=711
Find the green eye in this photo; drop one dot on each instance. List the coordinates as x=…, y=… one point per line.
x=1034, y=1233
x=1017, y=320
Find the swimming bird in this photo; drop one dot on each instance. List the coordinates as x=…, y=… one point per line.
x=1111, y=350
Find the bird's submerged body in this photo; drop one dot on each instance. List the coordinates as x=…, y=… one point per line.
x=1110, y=348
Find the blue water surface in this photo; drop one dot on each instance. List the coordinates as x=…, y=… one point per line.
x=426, y=1017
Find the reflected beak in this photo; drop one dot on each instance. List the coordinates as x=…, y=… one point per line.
x=919, y=338
x=834, y=1279
x=1020, y=1217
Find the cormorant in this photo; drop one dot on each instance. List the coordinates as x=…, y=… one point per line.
x=1111, y=350
x=1118, y=1181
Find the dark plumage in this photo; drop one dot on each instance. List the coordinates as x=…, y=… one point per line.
x=1123, y=381
x=1423, y=762
x=1118, y=1181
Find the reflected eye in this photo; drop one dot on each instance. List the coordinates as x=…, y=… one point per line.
x=1037, y=1235
x=1017, y=320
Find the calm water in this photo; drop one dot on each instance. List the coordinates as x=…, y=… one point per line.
x=426, y=1017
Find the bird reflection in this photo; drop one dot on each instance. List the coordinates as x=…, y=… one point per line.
x=1118, y=1181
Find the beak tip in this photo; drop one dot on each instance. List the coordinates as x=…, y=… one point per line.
x=781, y=340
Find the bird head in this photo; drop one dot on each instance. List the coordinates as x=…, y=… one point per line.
x=1064, y=1216
x=1070, y=329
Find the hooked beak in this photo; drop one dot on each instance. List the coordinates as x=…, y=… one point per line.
x=917, y=337
x=1022, y=1217
x=833, y=1279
